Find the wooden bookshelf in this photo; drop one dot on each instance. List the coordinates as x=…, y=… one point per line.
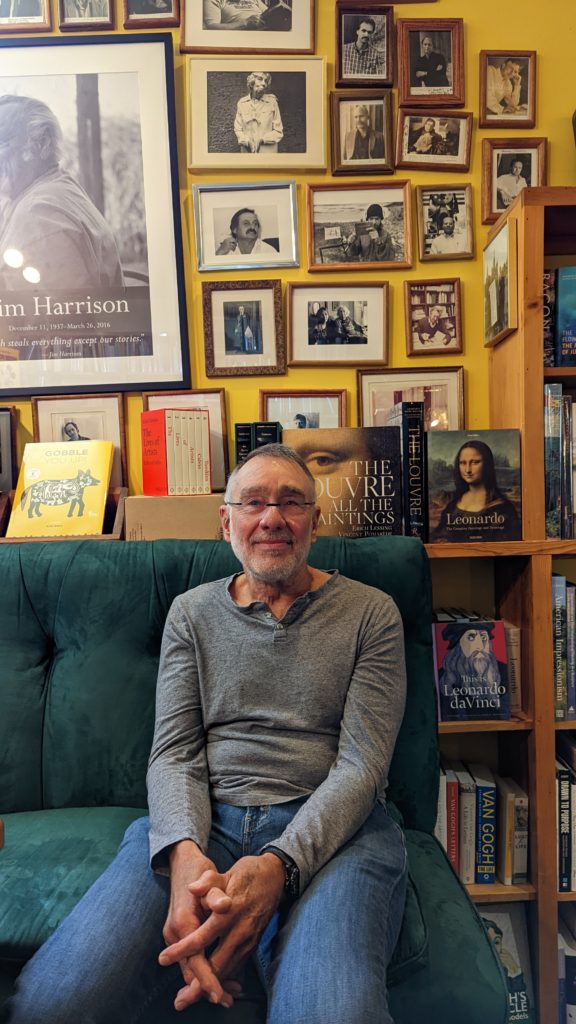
x=545, y=220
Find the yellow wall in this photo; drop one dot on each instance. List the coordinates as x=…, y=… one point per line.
x=550, y=29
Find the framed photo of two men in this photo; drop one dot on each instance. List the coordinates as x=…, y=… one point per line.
x=365, y=44
x=257, y=113
x=430, y=62
x=248, y=26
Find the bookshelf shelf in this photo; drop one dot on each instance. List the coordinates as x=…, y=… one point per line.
x=508, y=725
x=498, y=893
x=571, y=724
x=566, y=897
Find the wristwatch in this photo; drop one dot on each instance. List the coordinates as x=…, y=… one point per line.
x=292, y=871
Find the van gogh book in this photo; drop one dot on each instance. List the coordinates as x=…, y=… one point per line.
x=471, y=669
x=474, y=485
x=358, y=478
x=61, y=490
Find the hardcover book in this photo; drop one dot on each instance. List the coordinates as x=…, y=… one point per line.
x=243, y=440
x=61, y=489
x=512, y=846
x=507, y=928
x=358, y=478
x=467, y=823
x=549, y=312
x=564, y=825
x=514, y=656
x=471, y=670
x=409, y=416
x=559, y=647
x=171, y=437
x=553, y=458
x=485, y=870
x=474, y=485
x=565, y=331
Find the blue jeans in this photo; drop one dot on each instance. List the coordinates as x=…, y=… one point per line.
x=322, y=959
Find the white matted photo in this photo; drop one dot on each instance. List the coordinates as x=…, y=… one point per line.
x=357, y=227
x=244, y=226
x=257, y=113
x=211, y=399
x=337, y=324
x=254, y=26
x=83, y=418
x=434, y=139
x=304, y=409
x=445, y=224
x=441, y=390
x=243, y=329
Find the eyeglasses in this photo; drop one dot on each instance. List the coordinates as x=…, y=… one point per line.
x=289, y=508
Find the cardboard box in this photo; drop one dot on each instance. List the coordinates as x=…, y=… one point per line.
x=175, y=516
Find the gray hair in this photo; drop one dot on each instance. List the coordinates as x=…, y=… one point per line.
x=39, y=122
x=265, y=75
x=269, y=451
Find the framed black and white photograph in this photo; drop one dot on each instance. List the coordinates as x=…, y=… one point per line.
x=91, y=266
x=243, y=226
x=25, y=16
x=440, y=388
x=251, y=26
x=8, y=465
x=304, y=409
x=445, y=223
x=257, y=113
x=365, y=44
x=151, y=13
x=84, y=418
x=430, y=62
x=211, y=399
x=507, y=88
x=359, y=227
x=499, y=261
x=361, y=125
x=434, y=139
x=337, y=324
x=433, y=317
x=81, y=15
x=243, y=328
x=509, y=166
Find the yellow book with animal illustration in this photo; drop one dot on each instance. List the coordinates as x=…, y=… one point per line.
x=61, y=490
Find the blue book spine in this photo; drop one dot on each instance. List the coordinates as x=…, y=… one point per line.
x=559, y=640
x=485, y=873
x=565, y=332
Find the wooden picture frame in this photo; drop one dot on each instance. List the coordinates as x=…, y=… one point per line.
x=433, y=314
x=304, y=408
x=507, y=89
x=243, y=328
x=361, y=127
x=287, y=27
x=211, y=399
x=434, y=139
x=320, y=335
x=289, y=130
x=430, y=62
x=83, y=15
x=436, y=204
x=364, y=44
x=500, y=283
x=101, y=298
x=39, y=21
x=501, y=160
x=84, y=418
x=440, y=388
x=8, y=461
x=151, y=13
x=342, y=235
x=219, y=223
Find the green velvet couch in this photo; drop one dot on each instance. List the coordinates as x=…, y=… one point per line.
x=80, y=630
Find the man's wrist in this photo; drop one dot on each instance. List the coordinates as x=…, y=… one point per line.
x=291, y=870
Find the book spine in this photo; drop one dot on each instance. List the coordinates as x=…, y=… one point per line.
x=177, y=435
x=207, y=471
x=154, y=471
x=552, y=457
x=566, y=469
x=440, y=828
x=559, y=646
x=505, y=846
x=565, y=325
x=415, y=488
x=485, y=872
x=514, y=653
x=185, y=454
x=467, y=833
x=549, y=310
x=520, y=848
x=170, y=451
x=563, y=829
x=452, y=820
x=570, y=650
x=267, y=433
x=192, y=445
x=243, y=440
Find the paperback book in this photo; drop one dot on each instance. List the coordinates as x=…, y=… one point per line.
x=507, y=928
x=565, y=331
x=471, y=670
x=474, y=485
x=61, y=489
x=549, y=312
x=358, y=478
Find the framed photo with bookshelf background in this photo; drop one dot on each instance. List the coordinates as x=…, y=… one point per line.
x=440, y=388
x=433, y=317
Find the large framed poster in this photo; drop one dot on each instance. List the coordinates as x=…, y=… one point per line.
x=91, y=278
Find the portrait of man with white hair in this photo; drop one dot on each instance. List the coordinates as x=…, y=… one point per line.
x=258, y=124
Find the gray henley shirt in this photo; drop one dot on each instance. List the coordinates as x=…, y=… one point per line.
x=252, y=711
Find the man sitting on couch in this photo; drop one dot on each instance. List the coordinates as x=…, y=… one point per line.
x=280, y=694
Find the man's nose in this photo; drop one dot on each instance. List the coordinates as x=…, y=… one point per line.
x=272, y=515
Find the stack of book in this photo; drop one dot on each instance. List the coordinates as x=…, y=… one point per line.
x=560, y=317
x=482, y=823
x=559, y=468
x=477, y=666
x=564, y=647
x=248, y=436
x=176, y=451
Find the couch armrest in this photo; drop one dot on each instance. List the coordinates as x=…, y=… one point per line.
x=462, y=979
x=1, y=833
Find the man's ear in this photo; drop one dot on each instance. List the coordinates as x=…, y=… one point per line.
x=224, y=512
x=315, y=518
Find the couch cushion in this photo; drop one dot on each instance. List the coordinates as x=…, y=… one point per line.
x=49, y=861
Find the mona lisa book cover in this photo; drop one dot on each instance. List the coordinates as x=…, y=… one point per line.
x=474, y=486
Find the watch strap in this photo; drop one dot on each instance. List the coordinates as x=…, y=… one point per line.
x=292, y=871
